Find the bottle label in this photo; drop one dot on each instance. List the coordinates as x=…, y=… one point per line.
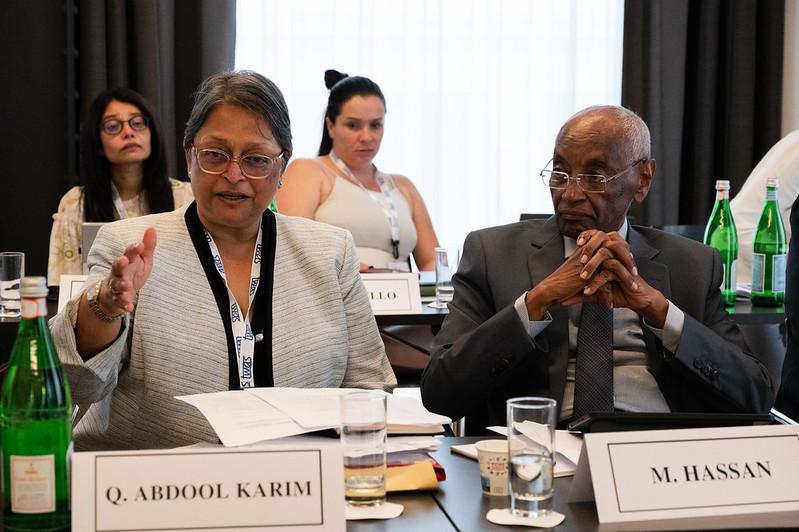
x=758, y=271
x=34, y=308
x=778, y=273
x=771, y=195
x=32, y=484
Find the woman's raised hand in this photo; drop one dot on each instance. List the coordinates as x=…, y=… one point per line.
x=128, y=274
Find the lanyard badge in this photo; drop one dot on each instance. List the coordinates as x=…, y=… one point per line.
x=239, y=318
x=389, y=208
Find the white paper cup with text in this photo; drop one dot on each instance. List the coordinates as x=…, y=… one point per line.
x=493, y=458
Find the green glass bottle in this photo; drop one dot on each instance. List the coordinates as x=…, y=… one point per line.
x=768, y=259
x=721, y=234
x=36, y=423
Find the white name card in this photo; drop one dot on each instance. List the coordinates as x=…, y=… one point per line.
x=69, y=287
x=276, y=488
x=694, y=478
x=393, y=293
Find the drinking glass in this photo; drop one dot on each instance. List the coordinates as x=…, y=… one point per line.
x=446, y=265
x=531, y=448
x=12, y=269
x=363, y=436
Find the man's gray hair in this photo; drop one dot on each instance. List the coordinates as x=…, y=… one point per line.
x=637, y=143
x=246, y=89
x=635, y=139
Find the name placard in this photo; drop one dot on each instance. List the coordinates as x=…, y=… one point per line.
x=393, y=293
x=276, y=488
x=697, y=478
x=69, y=286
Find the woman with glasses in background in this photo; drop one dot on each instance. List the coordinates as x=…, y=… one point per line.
x=342, y=186
x=123, y=171
x=231, y=295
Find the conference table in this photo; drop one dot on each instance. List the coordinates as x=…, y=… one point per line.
x=459, y=504
x=744, y=312
x=433, y=317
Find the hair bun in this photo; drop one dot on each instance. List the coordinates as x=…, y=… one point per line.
x=332, y=77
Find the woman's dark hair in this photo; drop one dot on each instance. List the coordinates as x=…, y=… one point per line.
x=342, y=88
x=246, y=89
x=95, y=170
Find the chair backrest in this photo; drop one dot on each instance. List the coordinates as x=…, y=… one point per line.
x=533, y=216
x=692, y=231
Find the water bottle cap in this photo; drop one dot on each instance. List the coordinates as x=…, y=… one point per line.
x=722, y=184
x=772, y=182
x=33, y=287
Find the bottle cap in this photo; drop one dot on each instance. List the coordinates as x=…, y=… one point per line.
x=772, y=182
x=722, y=184
x=33, y=287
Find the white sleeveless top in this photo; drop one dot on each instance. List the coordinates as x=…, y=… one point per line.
x=349, y=207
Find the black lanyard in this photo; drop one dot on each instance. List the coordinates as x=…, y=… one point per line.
x=262, y=305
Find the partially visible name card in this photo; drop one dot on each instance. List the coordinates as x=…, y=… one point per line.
x=69, y=286
x=393, y=293
x=694, y=478
x=276, y=488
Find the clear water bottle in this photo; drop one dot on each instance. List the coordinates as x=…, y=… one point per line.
x=768, y=259
x=35, y=421
x=720, y=233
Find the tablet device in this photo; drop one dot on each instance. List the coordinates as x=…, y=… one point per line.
x=89, y=230
x=621, y=421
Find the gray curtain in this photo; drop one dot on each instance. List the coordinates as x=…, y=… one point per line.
x=33, y=123
x=706, y=76
x=160, y=48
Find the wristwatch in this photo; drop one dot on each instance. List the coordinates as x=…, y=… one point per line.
x=93, y=298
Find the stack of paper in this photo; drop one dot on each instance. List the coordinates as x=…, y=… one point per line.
x=567, y=449
x=247, y=416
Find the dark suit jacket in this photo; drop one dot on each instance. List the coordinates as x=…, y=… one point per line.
x=788, y=399
x=483, y=354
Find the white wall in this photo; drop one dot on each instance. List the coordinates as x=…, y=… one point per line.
x=790, y=73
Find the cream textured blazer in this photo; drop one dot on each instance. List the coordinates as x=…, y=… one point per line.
x=323, y=333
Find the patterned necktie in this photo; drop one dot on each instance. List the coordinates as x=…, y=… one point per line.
x=593, y=386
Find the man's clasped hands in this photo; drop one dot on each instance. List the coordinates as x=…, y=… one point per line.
x=601, y=270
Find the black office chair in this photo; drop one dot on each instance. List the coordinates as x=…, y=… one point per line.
x=408, y=351
x=533, y=216
x=692, y=231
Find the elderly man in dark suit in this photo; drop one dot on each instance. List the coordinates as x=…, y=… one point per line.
x=788, y=398
x=587, y=309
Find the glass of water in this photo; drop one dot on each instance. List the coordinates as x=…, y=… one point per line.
x=531, y=449
x=363, y=437
x=12, y=269
x=446, y=265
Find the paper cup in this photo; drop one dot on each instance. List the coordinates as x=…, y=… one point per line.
x=493, y=458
